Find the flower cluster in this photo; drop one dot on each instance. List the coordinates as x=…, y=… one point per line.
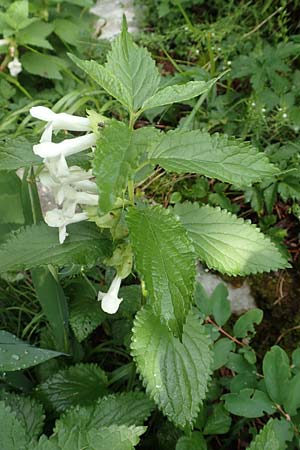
x=71, y=186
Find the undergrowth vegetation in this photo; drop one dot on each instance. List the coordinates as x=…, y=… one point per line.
x=123, y=164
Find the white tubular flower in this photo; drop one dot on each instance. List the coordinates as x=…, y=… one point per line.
x=70, y=198
x=15, y=67
x=57, y=218
x=59, y=121
x=75, y=177
x=55, y=154
x=4, y=42
x=109, y=301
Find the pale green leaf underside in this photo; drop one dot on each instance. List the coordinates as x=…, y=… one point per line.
x=134, y=68
x=176, y=374
x=12, y=433
x=114, y=159
x=177, y=93
x=227, y=243
x=38, y=245
x=266, y=439
x=165, y=260
x=217, y=156
x=17, y=354
x=106, y=79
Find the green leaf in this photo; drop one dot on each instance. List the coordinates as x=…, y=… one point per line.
x=130, y=408
x=81, y=384
x=221, y=306
x=168, y=365
x=134, y=68
x=114, y=159
x=245, y=324
x=114, y=437
x=54, y=305
x=16, y=16
x=222, y=348
x=38, y=245
x=35, y=34
x=106, y=79
x=11, y=209
x=16, y=354
x=165, y=260
x=193, y=442
x=249, y=403
x=266, y=439
x=177, y=93
x=46, y=66
x=215, y=156
x=227, y=243
x=292, y=400
x=16, y=153
x=67, y=31
x=28, y=412
x=276, y=370
x=218, y=422
x=12, y=434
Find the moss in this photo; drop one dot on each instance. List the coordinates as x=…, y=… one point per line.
x=277, y=294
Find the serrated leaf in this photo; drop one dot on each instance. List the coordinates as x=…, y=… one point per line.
x=170, y=366
x=245, y=324
x=16, y=354
x=46, y=66
x=114, y=437
x=38, y=245
x=266, y=439
x=35, y=34
x=129, y=409
x=249, y=403
x=216, y=156
x=106, y=79
x=276, y=370
x=177, y=93
x=165, y=260
x=134, y=67
x=227, y=243
x=28, y=411
x=193, y=442
x=16, y=153
x=12, y=433
x=114, y=159
x=81, y=384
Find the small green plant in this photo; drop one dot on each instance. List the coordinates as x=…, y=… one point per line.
x=139, y=260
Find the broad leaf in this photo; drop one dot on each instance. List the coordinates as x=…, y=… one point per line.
x=35, y=34
x=12, y=434
x=177, y=93
x=218, y=422
x=266, y=439
x=106, y=79
x=165, y=260
x=170, y=366
x=17, y=153
x=216, y=156
x=81, y=384
x=193, y=442
x=116, y=437
x=115, y=156
x=28, y=411
x=249, y=403
x=245, y=324
x=16, y=354
x=47, y=66
x=11, y=209
x=227, y=243
x=222, y=348
x=221, y=306
x=134, y=68
x=276, y=369
x=38, y=245
x=292, y=400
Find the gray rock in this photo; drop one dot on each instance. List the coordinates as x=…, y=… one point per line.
x=110, y=13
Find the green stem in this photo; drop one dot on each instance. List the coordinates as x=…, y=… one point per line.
x=131, y=191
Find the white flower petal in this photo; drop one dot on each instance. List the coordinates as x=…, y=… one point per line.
x=62, y=234
x=61, y=121
x=15, y=67
x=42, y=113
x=67, y=147
x=47, y=133
x=110, y=302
